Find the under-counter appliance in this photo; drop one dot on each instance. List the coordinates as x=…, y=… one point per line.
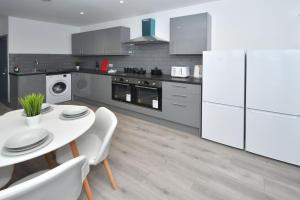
x=146, y=93
x=122, y=89
x=58, y=88
x=224, y=97
x=182, y=72
x=273, y=104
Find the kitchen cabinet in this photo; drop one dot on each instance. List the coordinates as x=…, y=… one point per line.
x=190, y=34
x=181, y=103
x=114, y=39
x=99, y=88
x=83, y=43
x=101, y=42
x=91, y=86
x=24, y=85
x=81, y=85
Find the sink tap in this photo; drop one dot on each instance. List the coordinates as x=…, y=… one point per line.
x=36, y=65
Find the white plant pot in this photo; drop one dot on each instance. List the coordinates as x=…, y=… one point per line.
x=33, y=121
x=77, y=68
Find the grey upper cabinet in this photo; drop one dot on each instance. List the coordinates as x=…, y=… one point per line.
x=114, y=39
x=190, y=34
x=88, y=43
x=76, y=44
x=101, y=42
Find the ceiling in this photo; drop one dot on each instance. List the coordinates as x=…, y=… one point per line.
x=95, y=11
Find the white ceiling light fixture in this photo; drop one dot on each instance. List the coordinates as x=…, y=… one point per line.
x=122, y=1
x=82, y=13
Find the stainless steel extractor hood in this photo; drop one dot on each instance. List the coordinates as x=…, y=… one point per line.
x=148, y=34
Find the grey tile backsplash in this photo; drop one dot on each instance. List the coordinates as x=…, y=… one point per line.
x=146, y=56
x=46, y=61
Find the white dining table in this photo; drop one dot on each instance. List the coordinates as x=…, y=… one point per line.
x=65, y=132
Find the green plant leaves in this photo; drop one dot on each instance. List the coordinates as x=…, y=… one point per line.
x=32, y=104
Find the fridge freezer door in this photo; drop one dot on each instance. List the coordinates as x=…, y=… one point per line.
x=223, y=124
x=273, y=81
x=273, y=135
x=224, y=77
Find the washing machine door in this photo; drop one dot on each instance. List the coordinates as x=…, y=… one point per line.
x=59, y=88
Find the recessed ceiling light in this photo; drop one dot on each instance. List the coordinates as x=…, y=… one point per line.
x=122, y=1
x=82, y=13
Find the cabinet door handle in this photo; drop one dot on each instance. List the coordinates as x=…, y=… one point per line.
x=178, y=86
x=179, y=95
x=179, y=105
x=150, y=88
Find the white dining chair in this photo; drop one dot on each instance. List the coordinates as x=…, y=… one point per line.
x=5, y=175
x=63, y=182
x=95, y=143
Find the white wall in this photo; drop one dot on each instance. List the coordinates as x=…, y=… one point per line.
x=29, y=36
x=236, y=24
x=3, y=25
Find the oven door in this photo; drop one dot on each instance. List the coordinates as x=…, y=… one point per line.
x=149, y=97
x=122, y=92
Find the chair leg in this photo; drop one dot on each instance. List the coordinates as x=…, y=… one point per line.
x=50, y=160
x=110, y=175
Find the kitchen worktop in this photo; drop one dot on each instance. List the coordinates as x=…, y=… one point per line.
x=164, y=77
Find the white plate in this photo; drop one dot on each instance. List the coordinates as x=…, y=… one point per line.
x=72, y=116
x=74, y=110
x=63, y=117
x=47, y=141
x=28, y=147
x=26, y=138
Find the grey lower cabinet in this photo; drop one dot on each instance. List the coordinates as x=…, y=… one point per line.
x=190, y=34
x=23, y=85
x=81, y=85
x=108, y=41
x=181, y=103
x=91, y=86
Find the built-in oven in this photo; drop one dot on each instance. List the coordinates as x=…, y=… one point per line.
x=148, y=93
x=122, y=89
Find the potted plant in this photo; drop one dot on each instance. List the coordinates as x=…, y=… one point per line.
x=32, y=105
x=77, y=64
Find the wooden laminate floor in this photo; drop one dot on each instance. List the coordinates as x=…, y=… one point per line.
x=153, y=162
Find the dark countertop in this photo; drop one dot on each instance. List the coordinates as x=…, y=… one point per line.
x=164, y=77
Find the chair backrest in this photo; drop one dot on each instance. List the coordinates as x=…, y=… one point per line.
x=62, y=182
x=104, y=127
x=5, y=175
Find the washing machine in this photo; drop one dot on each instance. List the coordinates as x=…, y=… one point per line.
x=58, y=88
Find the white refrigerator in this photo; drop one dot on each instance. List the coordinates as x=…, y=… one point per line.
x=273, y=104
x=223, y=105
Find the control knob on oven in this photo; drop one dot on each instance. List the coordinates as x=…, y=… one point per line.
x=153, y=84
